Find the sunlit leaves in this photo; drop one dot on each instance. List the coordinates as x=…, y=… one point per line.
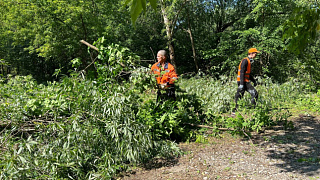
x=48, y=32
x=115, y=60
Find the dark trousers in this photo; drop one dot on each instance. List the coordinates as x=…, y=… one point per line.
x=249, y=88
x=168, y=94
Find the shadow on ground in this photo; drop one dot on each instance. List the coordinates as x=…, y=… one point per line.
x=298, y=150
x=160, y=162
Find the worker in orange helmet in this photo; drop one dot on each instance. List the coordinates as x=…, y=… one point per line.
x=165, y=75
x=245, y=78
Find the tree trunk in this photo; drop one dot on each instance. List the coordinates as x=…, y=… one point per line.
x=193, y=49
x=192, y=44
x=169, y=34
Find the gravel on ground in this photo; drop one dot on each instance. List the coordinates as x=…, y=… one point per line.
x=275, y=154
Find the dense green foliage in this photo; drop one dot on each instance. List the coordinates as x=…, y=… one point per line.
x=68, y=111
x=79, y=129
x=72, y=129
x=39, y=37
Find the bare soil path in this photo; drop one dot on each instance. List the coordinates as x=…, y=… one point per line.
x=275, y=154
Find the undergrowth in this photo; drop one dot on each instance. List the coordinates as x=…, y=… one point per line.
x=79, y=128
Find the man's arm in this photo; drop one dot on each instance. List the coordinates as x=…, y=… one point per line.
x=252, y=79
x=173, y=77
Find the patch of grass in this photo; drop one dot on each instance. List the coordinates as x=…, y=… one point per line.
x=314, y=178
x=201, y=139
x=245, y=152
x=310, y=160
x=291, y=151
x=186, y=152
x=266, y=138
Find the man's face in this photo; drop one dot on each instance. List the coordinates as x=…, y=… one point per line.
x=161, y=58
x=253, y=55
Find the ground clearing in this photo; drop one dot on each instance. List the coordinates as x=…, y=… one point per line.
x=275, y=154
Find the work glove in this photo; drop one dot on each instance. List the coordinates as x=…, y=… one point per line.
x=240, y=87
x=163, y=86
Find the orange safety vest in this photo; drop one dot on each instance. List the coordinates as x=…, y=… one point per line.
x=169, y=75
x=247, y=73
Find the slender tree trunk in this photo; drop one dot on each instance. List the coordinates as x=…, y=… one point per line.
x=193, y=49
x=84, y=28
x=192, y=44
x=169, y=34
x=85, y=33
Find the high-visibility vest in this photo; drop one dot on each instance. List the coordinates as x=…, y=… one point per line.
x=169, y=75
x=247, y=73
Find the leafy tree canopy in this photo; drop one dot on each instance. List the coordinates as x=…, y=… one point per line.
x=302, y=28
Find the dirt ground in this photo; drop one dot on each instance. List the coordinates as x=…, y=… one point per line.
x=273, y=154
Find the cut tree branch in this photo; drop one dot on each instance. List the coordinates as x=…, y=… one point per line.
x=89, y=45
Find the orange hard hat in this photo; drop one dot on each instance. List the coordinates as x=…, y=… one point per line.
x=253, y=50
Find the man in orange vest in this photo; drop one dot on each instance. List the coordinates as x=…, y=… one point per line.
x=165, y=75
x=244, y=78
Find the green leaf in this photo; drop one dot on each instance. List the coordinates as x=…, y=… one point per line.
x=136, y=9
x=36, y=162
x=127, y=2
x=245, y=124
x=143, y=3
x=23, y=160
x=153, y=4
x=28, y=146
